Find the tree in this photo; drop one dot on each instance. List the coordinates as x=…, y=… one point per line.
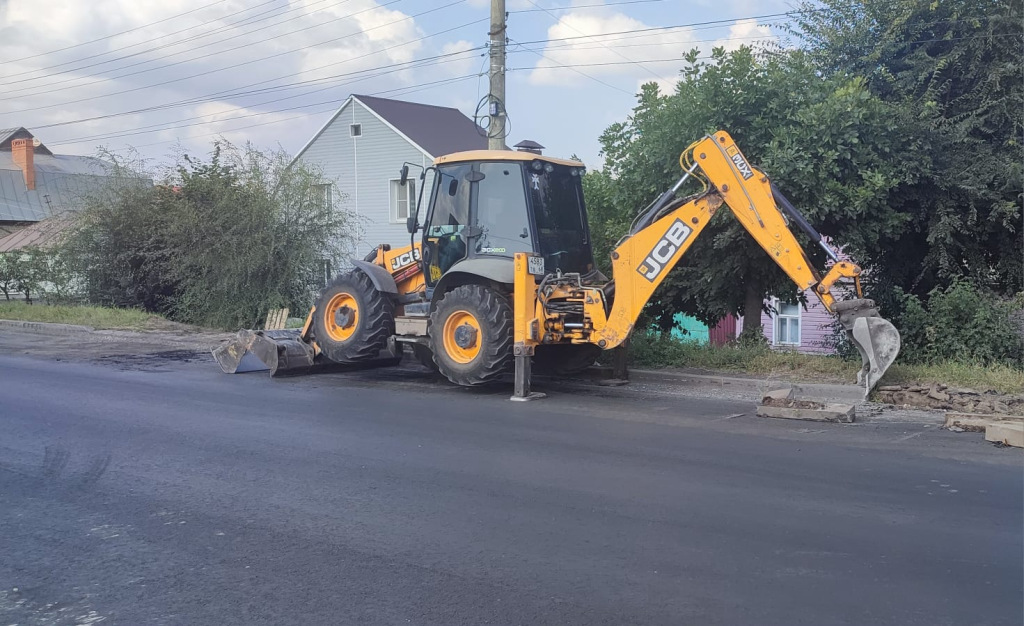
x=957, y=68
x=10, y=271
x=833, y=148
x=218, y=243
x=258, y=234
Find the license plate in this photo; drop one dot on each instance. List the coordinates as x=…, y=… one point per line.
x=535, y=265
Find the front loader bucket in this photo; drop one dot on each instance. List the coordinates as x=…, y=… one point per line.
x=875, y=338
x=280, y=351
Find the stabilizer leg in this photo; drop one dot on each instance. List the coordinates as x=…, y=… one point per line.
x=521, y=391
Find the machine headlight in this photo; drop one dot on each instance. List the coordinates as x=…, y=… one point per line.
x=549, y=168
x=537, y=165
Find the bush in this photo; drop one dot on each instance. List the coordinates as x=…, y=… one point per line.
x=36, y=274
x=962, y=323
x=218, y=243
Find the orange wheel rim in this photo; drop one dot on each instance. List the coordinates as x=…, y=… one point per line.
x=341, y=316
x=462, y=337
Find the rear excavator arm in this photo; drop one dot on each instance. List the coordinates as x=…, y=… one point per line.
x=666, y=230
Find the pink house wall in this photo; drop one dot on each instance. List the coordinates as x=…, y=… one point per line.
x=815, y=324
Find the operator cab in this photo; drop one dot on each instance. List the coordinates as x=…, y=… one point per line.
x=494, y=203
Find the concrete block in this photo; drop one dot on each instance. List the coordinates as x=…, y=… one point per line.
x=778, y=396
x=1006, y=433
x=830, y=413
x=978, y=422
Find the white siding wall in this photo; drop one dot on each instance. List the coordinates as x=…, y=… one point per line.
x=362, y=168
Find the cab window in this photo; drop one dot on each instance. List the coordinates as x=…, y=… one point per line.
x=501, y=211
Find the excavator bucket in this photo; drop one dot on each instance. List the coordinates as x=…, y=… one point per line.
x=875, y=338
x=280, y=351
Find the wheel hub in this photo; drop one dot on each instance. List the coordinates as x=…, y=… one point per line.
x=344, y=317
x=465, y=336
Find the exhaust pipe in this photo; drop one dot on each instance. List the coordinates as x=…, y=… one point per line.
x=875, y=338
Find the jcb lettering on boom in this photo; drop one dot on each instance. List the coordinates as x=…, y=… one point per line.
x=405, y=259
x=664, y=250
x=741, y=165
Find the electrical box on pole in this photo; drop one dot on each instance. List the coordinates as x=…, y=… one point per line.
x=496, y=104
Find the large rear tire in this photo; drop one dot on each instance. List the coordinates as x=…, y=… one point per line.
x=353, y=320
x=471, y=335
x=564, y=359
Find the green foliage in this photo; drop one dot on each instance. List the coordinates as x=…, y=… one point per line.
x=219, y=243
x=120, y=244
x=10, y=270
x=962, y=323
x=955, y=69
x=660, y=350
x=34, y=273
x=832, y=147
x=96, y=317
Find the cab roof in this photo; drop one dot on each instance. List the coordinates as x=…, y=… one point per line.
x=501, y=155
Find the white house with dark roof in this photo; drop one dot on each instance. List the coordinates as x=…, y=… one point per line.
x=362, y=148
x=36, y=184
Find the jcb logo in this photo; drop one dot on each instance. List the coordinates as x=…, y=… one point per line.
x=402, y=260
x=664, y=250
x=741, y=165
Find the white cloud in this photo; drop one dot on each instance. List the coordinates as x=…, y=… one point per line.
x=297, y=41
x=598, y=44
x=655, y=55
x=745, y=33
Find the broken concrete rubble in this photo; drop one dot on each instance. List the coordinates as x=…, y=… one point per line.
x=948, y=398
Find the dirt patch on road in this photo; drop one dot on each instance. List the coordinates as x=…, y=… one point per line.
x=152, y=361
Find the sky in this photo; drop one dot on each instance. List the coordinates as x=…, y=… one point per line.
x=170, y=75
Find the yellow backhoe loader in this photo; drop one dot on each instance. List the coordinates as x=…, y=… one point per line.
x=502, y=277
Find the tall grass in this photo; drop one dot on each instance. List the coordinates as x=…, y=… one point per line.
x=95, y=316
x=653, y=350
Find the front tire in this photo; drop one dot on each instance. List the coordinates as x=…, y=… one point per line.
x=471, y=335
x=353, y=320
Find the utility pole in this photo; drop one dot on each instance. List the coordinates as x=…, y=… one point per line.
x=496, y=101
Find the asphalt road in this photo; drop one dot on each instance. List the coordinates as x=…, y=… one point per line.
x=141, y=491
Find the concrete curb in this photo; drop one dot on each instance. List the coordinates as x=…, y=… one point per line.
x=46, y=328
x=756, y=387
x=199, y=342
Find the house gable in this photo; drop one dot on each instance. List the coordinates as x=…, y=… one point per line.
x=363, y=167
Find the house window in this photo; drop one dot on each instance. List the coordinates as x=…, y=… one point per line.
x=403, y=199
x=356, y=130
x=787, y=324
x=323, y=195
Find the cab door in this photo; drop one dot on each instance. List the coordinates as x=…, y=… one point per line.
x=444, y=235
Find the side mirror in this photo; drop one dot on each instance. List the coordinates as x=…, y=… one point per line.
x=405, y=176
x=411, y=225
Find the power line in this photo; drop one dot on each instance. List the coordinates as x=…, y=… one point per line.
x=189, y=60
x=123, y=32
x=559, y=21
x=234, y=92
x=410, y=89
x=586, y=6
x=334, y=101
x=378, y=72
x=221, y=69
x=100, y=54
x=573, y=65
x=597, y=80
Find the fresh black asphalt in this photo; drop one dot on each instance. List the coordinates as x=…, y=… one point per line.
x=135, y=493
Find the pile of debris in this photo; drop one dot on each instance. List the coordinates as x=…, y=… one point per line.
x=952, y=399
